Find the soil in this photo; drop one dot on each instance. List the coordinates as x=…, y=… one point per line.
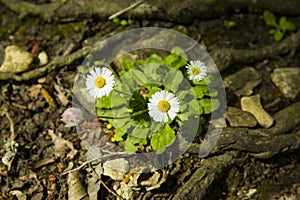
x=36, y=171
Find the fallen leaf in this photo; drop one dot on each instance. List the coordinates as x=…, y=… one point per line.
x=76, y=189
x=61, y=146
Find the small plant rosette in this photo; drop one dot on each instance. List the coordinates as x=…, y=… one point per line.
x=151, y=104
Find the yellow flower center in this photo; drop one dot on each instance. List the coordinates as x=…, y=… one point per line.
x=196, y=70
x=163, y=106
x=100, y=82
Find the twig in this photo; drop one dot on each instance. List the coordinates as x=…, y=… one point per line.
x=12, y=126
x=102, y=182
x=94, y=159
x=39, y=72
x=81, y=166
x=125, y=9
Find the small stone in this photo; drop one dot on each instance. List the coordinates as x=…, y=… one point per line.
x=16, y=60
x=238, y=118
x=287, y=80
x=116, y=169
x=253, y=105
x=243, y=81
x=43, y=57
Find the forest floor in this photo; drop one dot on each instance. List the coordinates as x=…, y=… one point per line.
x=33, y=117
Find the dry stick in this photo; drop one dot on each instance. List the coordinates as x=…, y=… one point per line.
x=125, y=9
x=12, y=127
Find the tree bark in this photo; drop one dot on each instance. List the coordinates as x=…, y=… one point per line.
x=171, y=10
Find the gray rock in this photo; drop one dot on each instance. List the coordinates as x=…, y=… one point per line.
x=16, y=60
x=287, y=80
x=253, y=105
x=238, y=118
x=243, y=81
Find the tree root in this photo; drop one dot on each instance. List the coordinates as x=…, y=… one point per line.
x=202, y=179
x=172, y=10
x=222, y=57
x=259, y=143
x=226, y=57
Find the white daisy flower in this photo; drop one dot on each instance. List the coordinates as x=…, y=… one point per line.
x=162, y=106
x=196, y=70
x=100, y=82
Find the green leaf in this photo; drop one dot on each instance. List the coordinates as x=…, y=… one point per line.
x=278, y=35
x=286, y=25
x=123, y=124
x=272, y=31
x=163, y=139
x=116, y=20
x=175, y=61
x=118, y=135
x=104, y=102
x=173, y=80
x=139, y=77
x=140, y=132
x=154, y=58
x=106, y=113
x=84, y=70
x=200, y=91
x=184, y=95
x=97, y=62
x=209, y=105
x=212, y=93
x=228, y=24
x=140, y=62
x=132, y=144
x=270, y=19
x=128, y=65
x=179, y=51
x=121, y=113
x=194, y=107
x=123, y=22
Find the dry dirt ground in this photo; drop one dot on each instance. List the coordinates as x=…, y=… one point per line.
x=33, y=116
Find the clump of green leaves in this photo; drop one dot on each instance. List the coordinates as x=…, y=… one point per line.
x=118, y=21
x=125, y=109
x=278, y=29
x=228, y=24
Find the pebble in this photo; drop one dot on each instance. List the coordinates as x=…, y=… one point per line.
x=16, y=60
x=43, y=57
x=253, y=105
x=243, y=81
x=116, y=169
x=287, y=80
x=238, y=118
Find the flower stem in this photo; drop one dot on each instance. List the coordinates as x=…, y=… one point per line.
x=121, y=92
x=139, y=112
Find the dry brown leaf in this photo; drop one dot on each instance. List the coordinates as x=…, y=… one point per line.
x=18, y=194
x=76, y=189
x=61, y=146
x=61, y=94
